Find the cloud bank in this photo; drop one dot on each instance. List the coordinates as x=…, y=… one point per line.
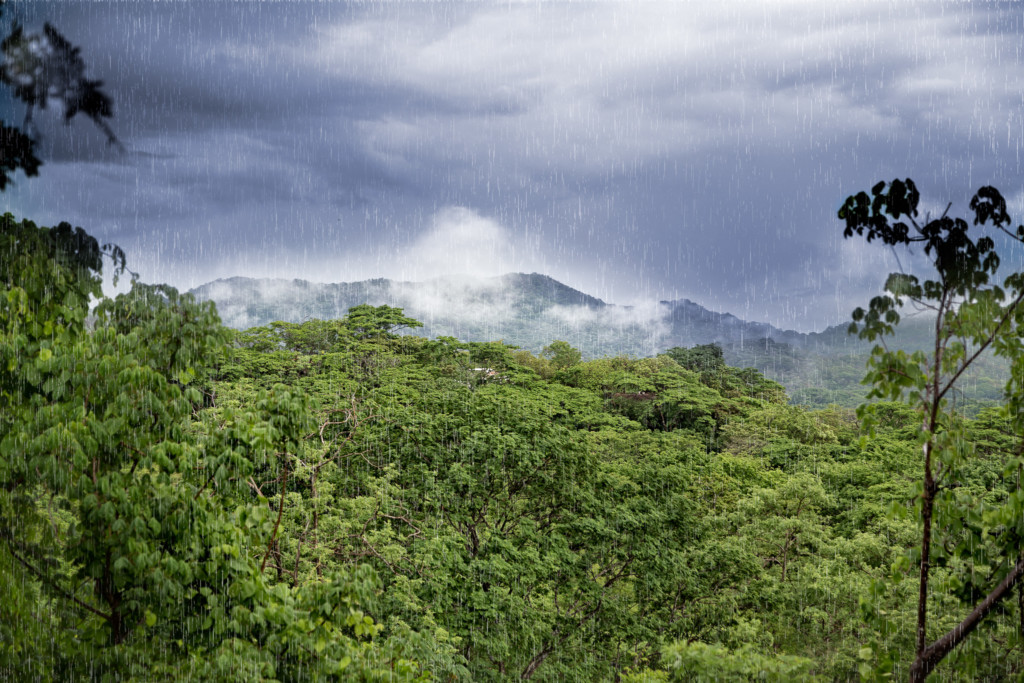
x=635, y=151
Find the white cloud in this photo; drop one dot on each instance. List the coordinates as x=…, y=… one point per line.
x=585, y=86
x=448, y=300
x=621, y=148
x=863, y=265
x=461, y=242
x=1015, y=207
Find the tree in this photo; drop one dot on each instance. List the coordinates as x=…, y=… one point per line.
x=369, y=322
x=45, y=66
x=704, y=358
x=40, y=68
x=561, y=354
x=976, y=540
x=130, y=514
x=16, y=149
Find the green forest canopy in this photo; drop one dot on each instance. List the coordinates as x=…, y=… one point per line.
x=332, y=500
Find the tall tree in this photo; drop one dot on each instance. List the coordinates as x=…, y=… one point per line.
x=131, y=520
x=977, y=539
x=561, y=354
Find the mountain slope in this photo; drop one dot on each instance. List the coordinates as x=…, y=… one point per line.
x=532, y=310
x=529, y=310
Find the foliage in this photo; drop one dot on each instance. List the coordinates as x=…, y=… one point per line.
x=331, y=500
x=483, y=499
x=18, y=153
x=130, y=516
x=40, y=68
x=16, y=148
x=561, y=355
x=702, y=662
x=709, y=361
x=44, y=67
x=970, y=535
x=705, y=358
x=363, y=323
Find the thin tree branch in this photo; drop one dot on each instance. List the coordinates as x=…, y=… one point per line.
x=280, y=512
x=25, y=563
x=934, y=653
x=963, y=366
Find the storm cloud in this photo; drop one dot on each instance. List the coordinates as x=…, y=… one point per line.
x=634, y=151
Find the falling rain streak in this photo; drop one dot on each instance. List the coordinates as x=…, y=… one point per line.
x=511, y=341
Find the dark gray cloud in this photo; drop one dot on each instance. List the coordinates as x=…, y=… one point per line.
x=635, y=151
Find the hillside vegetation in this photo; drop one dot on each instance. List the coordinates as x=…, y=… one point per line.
x=818, y=369
x=330, y=500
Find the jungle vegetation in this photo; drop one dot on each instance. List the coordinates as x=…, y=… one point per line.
x=333, y=500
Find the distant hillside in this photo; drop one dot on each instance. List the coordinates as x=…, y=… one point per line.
x=526, y=310
x=532, y=310
x=691, y=324
x=830, y=365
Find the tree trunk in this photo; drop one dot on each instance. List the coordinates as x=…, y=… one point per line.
x=927, y=498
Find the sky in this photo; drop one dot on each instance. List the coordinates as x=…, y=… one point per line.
x=637, y=151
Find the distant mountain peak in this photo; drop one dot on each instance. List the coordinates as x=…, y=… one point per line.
x=556, y=291
x=525, y=309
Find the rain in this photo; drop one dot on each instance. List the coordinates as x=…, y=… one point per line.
x=637, y=154
x=511, y=340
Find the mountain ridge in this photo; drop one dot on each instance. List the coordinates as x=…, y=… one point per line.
x=525, y=309
x=532, y=310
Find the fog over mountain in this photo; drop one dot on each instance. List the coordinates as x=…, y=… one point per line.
x=529, y=311
x=651, y=151
x=532, y=310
